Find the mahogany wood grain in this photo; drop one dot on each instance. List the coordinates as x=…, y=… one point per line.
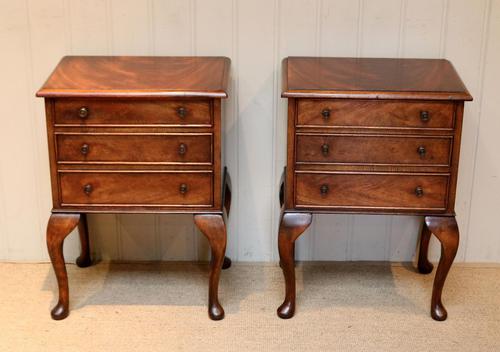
x=376, y=136
x=292, y=225
x=138, y=76
x=446, y=231
x=185, y=148
x=455, y=158
x=60, y=226
x=424, y=265
x=371, y=190
x=375, y=114
x=214, y=228
x=373, y=149
x=84, y=260
x=290, y=155
x=373, y=78
x=113, y=112
x=136, y=135
x=127, y=188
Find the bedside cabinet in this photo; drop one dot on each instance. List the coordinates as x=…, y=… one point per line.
x=136, y=135
x=372, y=136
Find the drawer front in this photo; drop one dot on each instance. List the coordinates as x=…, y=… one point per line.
x=358, y=149
x=139, y=148
x=372, y=113
x=372, y=191
x=176, y=189
x=133, y=112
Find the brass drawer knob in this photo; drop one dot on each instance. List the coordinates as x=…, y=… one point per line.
x=182, y=149
x=181, y=111
x=323, y=190
x=183, y=188
x=84, y=149
x=83, y=112
x=325, y=113
x=325, y=149
x=424, y=116
x=87, y=189
x=419, y=191
x=421, y=151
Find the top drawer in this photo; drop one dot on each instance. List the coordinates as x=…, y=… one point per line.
x=133, y=112
x=373, y=113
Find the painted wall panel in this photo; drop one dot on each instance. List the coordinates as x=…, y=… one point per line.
x=483, y=241
x=256, y=35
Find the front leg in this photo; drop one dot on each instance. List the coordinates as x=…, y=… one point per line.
x=446, y=230
x=424, y=265
x=291, y=227
x=214, y=228
x=84, y=259
x=60, y=226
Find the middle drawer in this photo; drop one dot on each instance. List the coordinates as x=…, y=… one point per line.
x=373, y=149
x=166, y=148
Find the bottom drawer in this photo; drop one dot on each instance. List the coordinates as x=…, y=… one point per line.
x=175, y=189
x=417, y=192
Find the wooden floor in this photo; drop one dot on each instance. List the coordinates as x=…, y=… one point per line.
x=162, y=306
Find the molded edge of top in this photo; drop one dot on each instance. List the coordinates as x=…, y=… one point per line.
x=357, y=94
x=138, y=93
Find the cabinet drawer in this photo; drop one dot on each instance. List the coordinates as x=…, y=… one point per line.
x=136, y=148
x=371, y=191
x=373, y=113
x=176, y=189
x=366, y=149
x=133, y=112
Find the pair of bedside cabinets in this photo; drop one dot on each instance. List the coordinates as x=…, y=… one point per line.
x=143, y=135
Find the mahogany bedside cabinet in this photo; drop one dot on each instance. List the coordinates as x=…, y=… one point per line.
x=136, y=135
x=372, y=136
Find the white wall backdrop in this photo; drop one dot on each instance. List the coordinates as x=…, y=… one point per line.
x=256, y=35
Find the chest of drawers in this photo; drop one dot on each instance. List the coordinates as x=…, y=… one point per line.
x=372, y=136
x=136, y=135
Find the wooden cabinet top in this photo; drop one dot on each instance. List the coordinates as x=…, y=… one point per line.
x=138, y=76
x=371, y=78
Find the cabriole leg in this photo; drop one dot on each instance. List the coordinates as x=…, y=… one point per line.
x=84, y=259
x=292, y=225
x=214, y=228
x=424, y=265
x=60, y=226
x=446, y=230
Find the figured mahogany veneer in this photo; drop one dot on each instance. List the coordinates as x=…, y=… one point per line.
x=181, y=189
x=374, y=114
x=371, y=191
x=135, y=135
x=162, y=148
x=372, y=136
x=154, y=112
x=373, y=149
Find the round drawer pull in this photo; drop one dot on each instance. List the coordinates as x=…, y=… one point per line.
x=83, y=112
x=424, y=116
x=325, y=113
x=419, y=191
x=183, y=188
x=84, y=149
x=323, y=190
x=421, y=151
x=325, y=149
x=87, y=189
x=182, y=149
x=181, y=111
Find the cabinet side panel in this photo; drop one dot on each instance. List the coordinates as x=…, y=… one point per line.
x=216, y=111
x=455, y=156
x=49, y=115
x=290, y=160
